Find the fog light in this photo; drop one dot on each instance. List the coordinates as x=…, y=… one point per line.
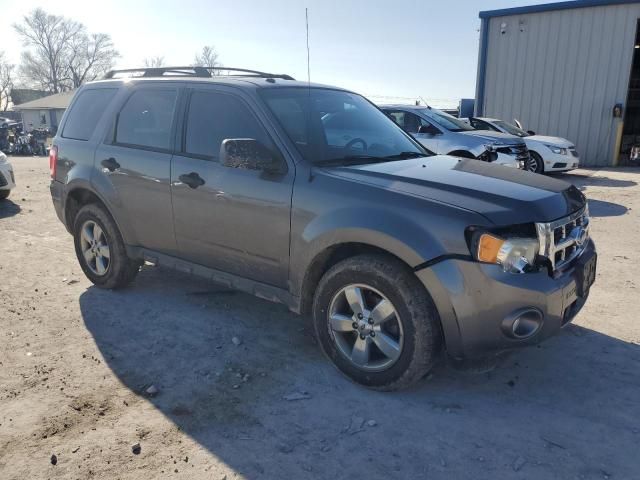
x=523, y=323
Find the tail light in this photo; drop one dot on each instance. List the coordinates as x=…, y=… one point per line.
x=53, y=161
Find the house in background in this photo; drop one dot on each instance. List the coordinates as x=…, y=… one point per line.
x=45, y=112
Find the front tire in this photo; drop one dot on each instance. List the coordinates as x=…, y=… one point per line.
x=375, y=321
x=4, y=194
x=100, y=249
x=535, y=163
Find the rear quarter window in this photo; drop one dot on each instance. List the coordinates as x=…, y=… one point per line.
x=86, y=112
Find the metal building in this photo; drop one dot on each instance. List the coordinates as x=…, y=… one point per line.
x=567, y=69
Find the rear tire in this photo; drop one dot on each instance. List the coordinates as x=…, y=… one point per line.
x=535, y=163
x=100, y=249
x=404, y=345
x=4, y=194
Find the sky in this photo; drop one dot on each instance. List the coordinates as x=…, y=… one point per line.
x=388, y=50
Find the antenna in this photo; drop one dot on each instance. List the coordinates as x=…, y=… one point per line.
x=306, y=16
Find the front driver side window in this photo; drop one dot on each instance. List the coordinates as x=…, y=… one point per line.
x=213, y=117
x=409, y=122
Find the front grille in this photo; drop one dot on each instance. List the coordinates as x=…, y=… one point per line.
x=573, y=151
x=564, y=240
x=3, y=181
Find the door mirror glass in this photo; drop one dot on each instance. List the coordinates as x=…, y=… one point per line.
x=249, y=154
x=428, y=129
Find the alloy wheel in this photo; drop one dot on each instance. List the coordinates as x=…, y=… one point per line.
x=95, y=248
x=365, y=327
x=532, y=164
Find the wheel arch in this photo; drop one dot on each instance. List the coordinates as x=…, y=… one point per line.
x=326, y=259
x=80, y=195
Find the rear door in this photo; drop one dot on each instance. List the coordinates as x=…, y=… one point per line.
x=135, y=163
x=235, y=220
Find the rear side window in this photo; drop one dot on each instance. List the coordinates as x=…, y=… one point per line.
x=214, y=117
x=146, y=119
x=86, y=113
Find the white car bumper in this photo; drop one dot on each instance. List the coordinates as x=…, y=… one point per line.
x=555, y=162
x=7, y=180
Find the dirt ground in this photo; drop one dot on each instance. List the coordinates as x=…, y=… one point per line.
x=75, y=362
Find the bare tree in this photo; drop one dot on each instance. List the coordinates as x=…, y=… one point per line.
x=6, y=82
x=48, y=37
x=91, y=56
x=60, y=53
x=207, y=58
x=154, y=62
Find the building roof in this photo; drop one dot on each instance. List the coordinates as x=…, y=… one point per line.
x=52, y=102
x=549, y=7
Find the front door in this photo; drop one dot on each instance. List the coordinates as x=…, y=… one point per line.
x=410, y=122
x=136, y=162
x=235, y=220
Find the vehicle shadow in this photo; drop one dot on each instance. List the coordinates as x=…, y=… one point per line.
x=601, y=208
x=596, y=179
x=541, y=411
x=8, y=209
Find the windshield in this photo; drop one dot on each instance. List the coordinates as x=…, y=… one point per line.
x=445, y=120
x=512, y=129
x=332, y=126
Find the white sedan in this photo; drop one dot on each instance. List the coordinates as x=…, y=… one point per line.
x=546, y=154
x=7, y=181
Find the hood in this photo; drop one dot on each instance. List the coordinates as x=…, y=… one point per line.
x=557, y=141
x=505, y=196
x=494, y=137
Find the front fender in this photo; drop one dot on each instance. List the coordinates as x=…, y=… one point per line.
x=399, y=235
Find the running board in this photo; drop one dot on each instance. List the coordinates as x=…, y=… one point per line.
x=258, y=289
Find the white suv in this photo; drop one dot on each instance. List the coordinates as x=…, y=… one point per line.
x=547, y=154
x=7, y=181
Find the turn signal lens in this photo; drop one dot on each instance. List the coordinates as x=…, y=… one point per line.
x=488, y=248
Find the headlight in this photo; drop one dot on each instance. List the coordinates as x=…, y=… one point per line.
x=558, y=150
x=514, y=254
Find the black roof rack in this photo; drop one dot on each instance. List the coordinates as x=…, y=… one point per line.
x=192, y=71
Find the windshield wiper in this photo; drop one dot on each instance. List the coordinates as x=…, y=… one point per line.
x=405, y=155
x=351, y=160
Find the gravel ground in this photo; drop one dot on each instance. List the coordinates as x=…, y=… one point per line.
x=76, y=361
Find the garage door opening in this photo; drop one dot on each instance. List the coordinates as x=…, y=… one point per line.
x=630, y=145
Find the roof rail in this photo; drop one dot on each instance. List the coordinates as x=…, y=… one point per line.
x=192, y=71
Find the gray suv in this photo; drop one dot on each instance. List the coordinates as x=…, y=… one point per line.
x=444, y=134
x=398, y=255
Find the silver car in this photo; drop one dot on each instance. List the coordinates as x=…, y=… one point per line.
x=446, y=135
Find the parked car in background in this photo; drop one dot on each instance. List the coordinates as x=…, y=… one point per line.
x=256, y=181
x=547, y=154
x=7, y=180
x=447, y=135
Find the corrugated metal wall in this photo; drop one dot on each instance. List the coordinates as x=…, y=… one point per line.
x=563, y=73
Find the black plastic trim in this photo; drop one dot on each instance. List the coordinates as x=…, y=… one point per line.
x=442, y=258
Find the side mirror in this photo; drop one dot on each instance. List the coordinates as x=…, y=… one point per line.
x=428, y=130
x=250, y=154
x=531, y=132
